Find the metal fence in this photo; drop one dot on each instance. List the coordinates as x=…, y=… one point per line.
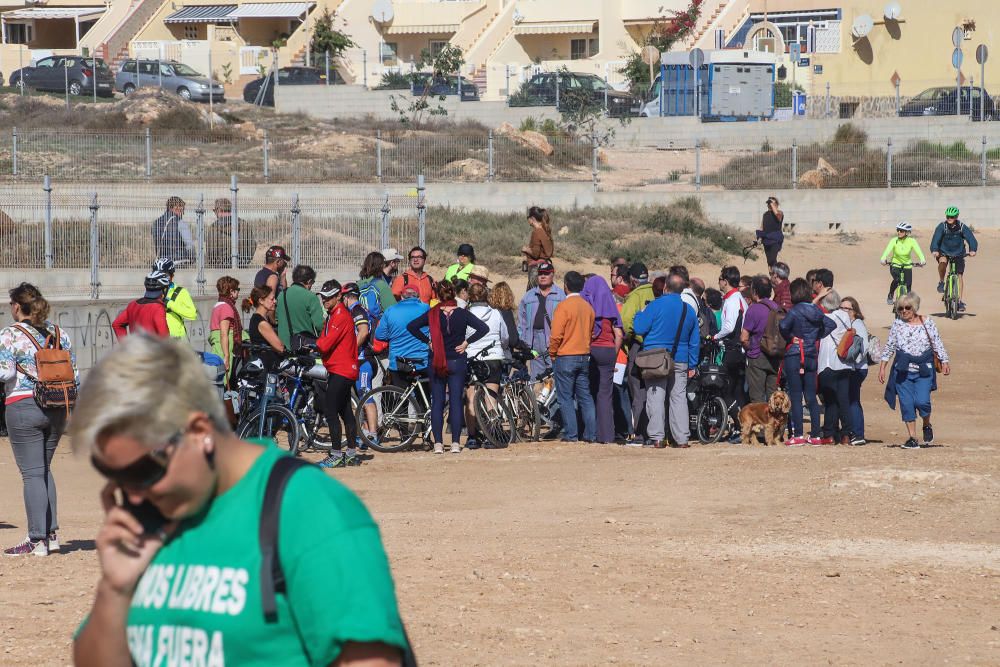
x=396, y=156
x=114, y=237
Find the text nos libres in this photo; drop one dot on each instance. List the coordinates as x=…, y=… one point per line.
x=207, y=588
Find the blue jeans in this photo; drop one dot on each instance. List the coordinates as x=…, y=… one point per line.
x=622, y=404
x=572, y=376
x=835, y=386
x=799, y=385
x=857, y=409
x=453, y=384
x=914, y=396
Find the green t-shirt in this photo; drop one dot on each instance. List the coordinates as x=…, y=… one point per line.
x=198, y=602
x=456, y=270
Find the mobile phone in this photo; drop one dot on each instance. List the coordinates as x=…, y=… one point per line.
x=147, y=514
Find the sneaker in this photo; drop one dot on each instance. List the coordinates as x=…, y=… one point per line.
x=552, y=434
x=858, y=440
x=361, y=443
x=635, y=442
x=438, y=448
x=910, y=444
x=814, y=441
x=928, y=435
x=456, y=448
x=651, y=444
x=351, y=461
x=796, y=441
x=28, y=548
x=472, y=443
x=332, y=461
x=735, y=439
x=53, y=542
x=889, y=301
x=681, y=445
x=940, y=287
x=961, y=306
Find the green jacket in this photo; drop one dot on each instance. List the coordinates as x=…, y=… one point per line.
x=180, y=307
x=636, y=301
x=304, y=310
x=456, y=270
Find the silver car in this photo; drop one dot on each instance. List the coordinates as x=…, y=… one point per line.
x=168, y=75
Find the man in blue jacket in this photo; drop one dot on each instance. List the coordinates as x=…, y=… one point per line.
x=534, y=315
x=949, y=241
x=392, y=329
x=669, y=324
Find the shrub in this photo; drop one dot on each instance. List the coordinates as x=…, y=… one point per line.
x=394, y=81
x=849, y=133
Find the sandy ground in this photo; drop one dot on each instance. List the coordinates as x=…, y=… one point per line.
x=590, y=555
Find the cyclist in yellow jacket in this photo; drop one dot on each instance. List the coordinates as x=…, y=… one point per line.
x=899, y=256
x=180, y=305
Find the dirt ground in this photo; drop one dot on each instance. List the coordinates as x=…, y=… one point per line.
x=589, y=555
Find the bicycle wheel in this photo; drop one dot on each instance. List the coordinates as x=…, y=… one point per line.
x=527, y=416
x=952, y=304
x=279, y=424
x=713, y=418
x=399, y=421
x=492, y=418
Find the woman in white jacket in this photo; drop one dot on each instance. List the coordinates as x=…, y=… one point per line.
x=859, y=368
x=835, y=377
x=497, y=340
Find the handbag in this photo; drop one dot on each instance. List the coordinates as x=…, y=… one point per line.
x=658, y=364
x=937, y=360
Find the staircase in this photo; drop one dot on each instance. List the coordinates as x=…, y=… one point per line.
x=727, y=15
x=479, y=78
x=115, y=48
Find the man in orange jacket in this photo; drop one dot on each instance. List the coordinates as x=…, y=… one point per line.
x=569, y=347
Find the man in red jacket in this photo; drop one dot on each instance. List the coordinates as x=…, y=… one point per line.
x=338, y=346
x=148, y=313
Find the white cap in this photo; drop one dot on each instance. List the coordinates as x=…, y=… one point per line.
x=390, y=254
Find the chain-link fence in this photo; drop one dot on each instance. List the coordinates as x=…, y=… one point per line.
x=114, y=239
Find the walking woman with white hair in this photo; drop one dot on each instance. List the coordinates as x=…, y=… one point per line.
x=920, y=353
x=184, y=575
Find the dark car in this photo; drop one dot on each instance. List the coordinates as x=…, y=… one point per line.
x=288, y=76
x=541, y=90
x=444, y=86
x=941, y=102
x=62, y=73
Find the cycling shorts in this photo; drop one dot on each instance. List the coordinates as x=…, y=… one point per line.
x=365, y=376
x=959, y=264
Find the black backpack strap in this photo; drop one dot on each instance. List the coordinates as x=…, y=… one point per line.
x=272, y=578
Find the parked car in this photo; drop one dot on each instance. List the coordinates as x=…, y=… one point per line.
x=443, y=86
x=940, y=101
x=289, y=76
x=541, y=90
x=61, y=73
x=168, y=75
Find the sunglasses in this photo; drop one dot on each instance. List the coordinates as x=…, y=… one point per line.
x=904, y=308
x=143, y=472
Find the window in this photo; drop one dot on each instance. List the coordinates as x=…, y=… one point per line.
x=437, y=46
x=46, y=62
x=794, y=26
x=190, y=32
x=18, y=33
x=129, y=67
x=594, y=46
x=389, y=51
x=577, y=49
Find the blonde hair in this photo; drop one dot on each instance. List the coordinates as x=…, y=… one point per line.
x=501, y=297
x=145, y=388
x=910, y=299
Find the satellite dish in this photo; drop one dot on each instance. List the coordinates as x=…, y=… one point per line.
x=518, y=16
x=862, y=26
x=893, y=11
x=382, y=11
x=650, y=55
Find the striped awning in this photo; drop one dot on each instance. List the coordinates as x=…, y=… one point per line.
x=560, y=28
x=271, y=10
x=201, y=14
x=36, y=13
x=431, y=29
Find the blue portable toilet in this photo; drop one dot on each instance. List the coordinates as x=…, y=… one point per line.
x=799, y=103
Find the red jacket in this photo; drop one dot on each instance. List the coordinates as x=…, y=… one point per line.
x=142, y=315
x=338, y=343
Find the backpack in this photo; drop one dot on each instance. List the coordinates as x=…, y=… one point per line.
x=272, y=576
x=372, y=303
x=772, y=343
x=851, y=347
x=55, y=384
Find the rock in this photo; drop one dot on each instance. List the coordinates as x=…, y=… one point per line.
x=813, y=178
x=563, y=231
x=530, y=138
x=468, y=169
x=924, y=184
x=826, y=168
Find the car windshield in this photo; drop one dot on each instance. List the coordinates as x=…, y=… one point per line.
x=930, y=94
x=101, y=65
x=180, y=69
x=592, y=83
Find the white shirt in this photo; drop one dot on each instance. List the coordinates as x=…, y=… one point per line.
x=827, y=357
x=731, y=309
x=497, y=336
x=688, y=297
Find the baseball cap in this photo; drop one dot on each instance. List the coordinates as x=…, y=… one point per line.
x=390, y=254
x=350, y=288
x=482, y=273
x=329, y=288
x=546, y=267
x=465, y=249
x=638, y=271
x=277, y=252
x=409, y=292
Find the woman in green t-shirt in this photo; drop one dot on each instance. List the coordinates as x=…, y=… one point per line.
x=465, y=265
x=181, y=571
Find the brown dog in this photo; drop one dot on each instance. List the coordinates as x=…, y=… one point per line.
x=767, y=418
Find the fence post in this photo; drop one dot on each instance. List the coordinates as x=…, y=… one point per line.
x=697, y=164
x=491, y=173
x=827, y=99
x=364, y=63
x=47, y=186
x=557, y=92
x=327, y=59
x=296, y=231
x=378, y=155
x=267, y=161
x=14, y=151
x=594, y=166
x=95, y=255
x=149, y=153
x=234, y=224
x=888, y=164
x=421, y=212
x=200, y=247
x=386, y=210
x=605, y=93
x=795, y=165
x=982, y=164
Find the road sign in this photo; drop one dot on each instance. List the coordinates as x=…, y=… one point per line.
x=982, y=54
x=794, y=51
x=894, y=79
x=957, y=35
x=697, y=58
x=817, y=69
x=956, y=58
x=803, y=62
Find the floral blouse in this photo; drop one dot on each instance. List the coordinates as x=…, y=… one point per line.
x=16, y=349
x=914, y=339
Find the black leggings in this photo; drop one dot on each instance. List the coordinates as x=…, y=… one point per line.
x=771, y=252
x=338, y=406
x=900, y=274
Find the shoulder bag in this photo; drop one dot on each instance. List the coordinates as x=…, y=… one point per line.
x=937, y=360
x=658, y=364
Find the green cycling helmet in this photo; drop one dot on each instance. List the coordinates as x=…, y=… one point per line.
x=952, y=212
